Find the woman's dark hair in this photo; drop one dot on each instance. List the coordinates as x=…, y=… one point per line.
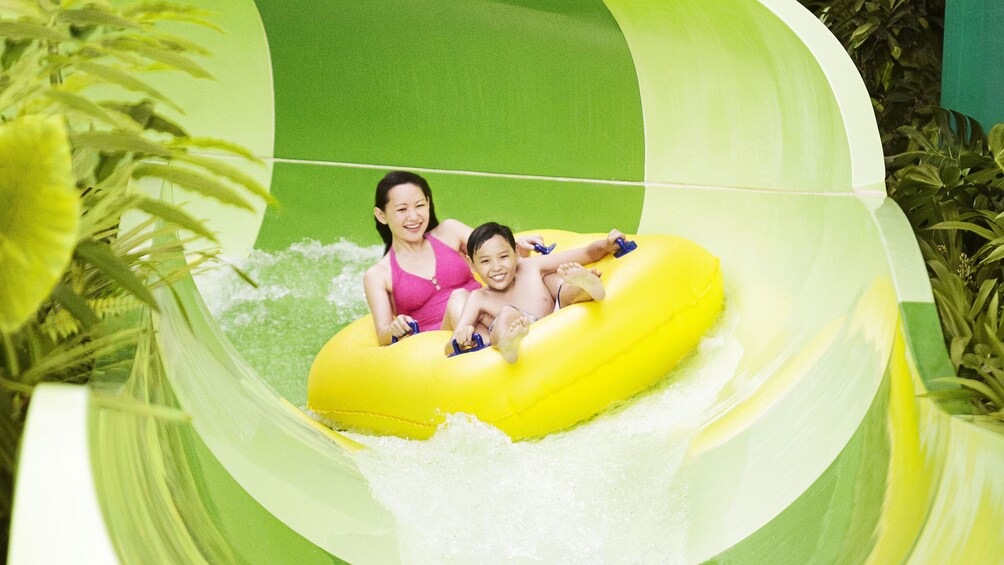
x=389, y=181
x=484, y=232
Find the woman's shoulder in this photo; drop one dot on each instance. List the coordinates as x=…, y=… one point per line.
x=379, y=270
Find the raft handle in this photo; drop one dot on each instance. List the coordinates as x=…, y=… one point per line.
x=479, y=344
x=544, y=250
x=626, y=247
x=414, y=330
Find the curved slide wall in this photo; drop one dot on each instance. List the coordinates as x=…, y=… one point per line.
x=740, y=124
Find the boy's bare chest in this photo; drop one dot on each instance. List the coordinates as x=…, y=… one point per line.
x=529, y=295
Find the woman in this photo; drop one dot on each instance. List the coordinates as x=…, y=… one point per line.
x=423, y=276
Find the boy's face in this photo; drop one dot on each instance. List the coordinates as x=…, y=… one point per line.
x=495, y=262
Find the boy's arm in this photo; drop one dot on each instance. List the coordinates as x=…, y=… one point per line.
x=585, y=255
x=464, y=332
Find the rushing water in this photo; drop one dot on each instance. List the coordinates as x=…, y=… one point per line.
x=611, y=490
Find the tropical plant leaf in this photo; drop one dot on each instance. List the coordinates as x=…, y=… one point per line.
x=39, y=214
x=222, y=169
x=84, y=106
x=23, y=81
x=125, y=80
x=975, y=385
x=194, y=181
x=93, y=16
x=175, y=216
x=175, y=43
x=995, y=255
x=75, y=305
x=161, y=6
x=170, y=58
x=113, y=141
x=25, y=8
x=101, y=257
x=80, y=350
x=986, y=288
x=953, y=394
x=187, y=16
x=958, y=348
x=27, y=30
x=965, y=226
x=210, y=143
x=996, y=143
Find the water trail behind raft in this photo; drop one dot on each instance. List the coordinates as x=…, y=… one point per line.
x=612, y=490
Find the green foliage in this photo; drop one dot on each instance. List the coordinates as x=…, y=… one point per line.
x=946, y=174
x=896, y=45
x=74, y=281
x=950, y=183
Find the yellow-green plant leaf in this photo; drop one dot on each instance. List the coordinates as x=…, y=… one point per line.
x=160, y=54
x=175, y=216
x=996, y=142
x=28, y=30
x=973, y=384
x=965, y=226
x=39, y=213
x=86, y=107
x=188, y=17
x=175, y=43
x=112, y=141
x=125, y=80
x=218, y=167
x=92, y=16
x=75, y=305
x=159, y=6
x=996, y=254
x=20, y=8
x=21, y=80
x=100, y=256
x=210, y=143
x=192, y=180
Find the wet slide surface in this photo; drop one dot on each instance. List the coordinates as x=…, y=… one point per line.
x=793, y=435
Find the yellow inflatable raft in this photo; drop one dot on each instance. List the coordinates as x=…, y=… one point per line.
x=661, y=298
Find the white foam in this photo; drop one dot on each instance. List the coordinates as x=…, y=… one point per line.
x=613, y=490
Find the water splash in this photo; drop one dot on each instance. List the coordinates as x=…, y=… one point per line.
x=612, y=490
x=305, y=294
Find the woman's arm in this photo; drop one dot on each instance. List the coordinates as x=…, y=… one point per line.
x=456, y=233
x=453, y=233
x=385, y=322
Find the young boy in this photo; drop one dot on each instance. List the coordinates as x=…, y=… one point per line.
x=515, y=294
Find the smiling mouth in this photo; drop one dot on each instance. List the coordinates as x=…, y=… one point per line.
x=497, y=278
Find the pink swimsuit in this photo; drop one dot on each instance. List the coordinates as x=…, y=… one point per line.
x=424, y=299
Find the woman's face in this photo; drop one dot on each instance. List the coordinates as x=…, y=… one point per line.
x=406, y=212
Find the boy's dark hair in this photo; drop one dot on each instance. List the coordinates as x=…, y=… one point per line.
x=389, y=181
x=484, y=232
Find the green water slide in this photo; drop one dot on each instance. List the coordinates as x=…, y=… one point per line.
x=740, y=124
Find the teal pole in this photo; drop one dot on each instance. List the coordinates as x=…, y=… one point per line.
x=972, y=79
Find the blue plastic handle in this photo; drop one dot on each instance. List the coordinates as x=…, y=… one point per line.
x=479, y=344
x=414, y=330
x=626, y=247
x=544, y=250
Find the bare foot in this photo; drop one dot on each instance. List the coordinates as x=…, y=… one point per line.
x=586, y=279
x=510, y=338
